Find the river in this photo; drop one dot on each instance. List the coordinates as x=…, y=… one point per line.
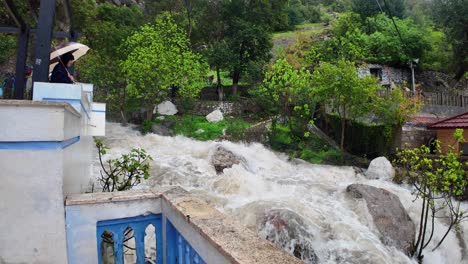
x=337, y=227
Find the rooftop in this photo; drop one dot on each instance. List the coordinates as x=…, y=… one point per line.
x=459, y=121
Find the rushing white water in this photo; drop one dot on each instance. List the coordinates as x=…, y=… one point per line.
x=337, y=227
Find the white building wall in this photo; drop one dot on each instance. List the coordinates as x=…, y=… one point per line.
x=43, y=157
x=32, y=226
x=82, y=220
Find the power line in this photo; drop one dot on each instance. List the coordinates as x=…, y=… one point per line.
x=394, y=23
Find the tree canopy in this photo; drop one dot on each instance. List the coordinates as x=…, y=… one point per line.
x=159, y=59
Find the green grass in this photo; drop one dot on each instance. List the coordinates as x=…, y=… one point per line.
x=312, y=149
x=188, y=125
x=226, y=80
x=307, y=29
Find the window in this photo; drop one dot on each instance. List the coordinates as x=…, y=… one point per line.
x=464, y=148
x=377, y=72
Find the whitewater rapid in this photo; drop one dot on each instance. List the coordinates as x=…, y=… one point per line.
x=338, y=228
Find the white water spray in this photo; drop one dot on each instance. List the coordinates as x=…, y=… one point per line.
x=336, y=227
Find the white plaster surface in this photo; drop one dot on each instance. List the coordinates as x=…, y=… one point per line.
x=77, y=166
x=59, y=91
x=97, y=124
x=32, y=224
x=31, y=123
x=82, y=219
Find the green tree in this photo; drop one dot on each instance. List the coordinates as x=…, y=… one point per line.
x=438, y=181
x=452, y=16
x=218, y=55
x=110, y=27
x=385, y=45
x=347, y=42
x=366, y=8
x=160, y=59
x=285, y=90
x=338, y=86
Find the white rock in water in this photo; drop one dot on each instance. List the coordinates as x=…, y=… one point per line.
x=215, y=116
x=167, y=108
x=200, y=131
x=380, y=168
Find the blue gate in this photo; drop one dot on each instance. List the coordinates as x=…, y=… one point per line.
x=117, y=231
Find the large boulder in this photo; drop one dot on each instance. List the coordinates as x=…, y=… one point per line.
x=380, y=168
x=215, y=116
x=389, y=216
x=288, y=230
x=166, y=108
x=223, y=158
x=161, y=130
x=258, y=132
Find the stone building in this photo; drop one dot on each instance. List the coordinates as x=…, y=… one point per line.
x=389, y=76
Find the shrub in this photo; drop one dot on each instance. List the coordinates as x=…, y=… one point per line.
x=124, y=172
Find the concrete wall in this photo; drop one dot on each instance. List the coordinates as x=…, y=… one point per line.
x=82, y=216
x=43, y=156
x=210, y=233
x=32, y=227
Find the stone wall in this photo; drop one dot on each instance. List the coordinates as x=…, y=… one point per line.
x=413, y=137
x=243, y=106
x=386, y=74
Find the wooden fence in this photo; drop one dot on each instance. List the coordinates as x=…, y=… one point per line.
x=439, y=98
x=445, y=99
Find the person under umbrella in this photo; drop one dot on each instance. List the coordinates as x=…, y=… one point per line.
x=60, y=73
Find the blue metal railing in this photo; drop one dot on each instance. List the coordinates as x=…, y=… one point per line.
x=178, y=250
x=139, y=224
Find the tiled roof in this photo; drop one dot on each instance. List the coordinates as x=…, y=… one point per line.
x=459, y=121
x=424, y=120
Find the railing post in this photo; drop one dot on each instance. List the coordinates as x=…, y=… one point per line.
x=118, y=247
x=139, y=235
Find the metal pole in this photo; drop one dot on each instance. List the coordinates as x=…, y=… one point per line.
x=20, y=81
x=412, y=78
x=43, y=40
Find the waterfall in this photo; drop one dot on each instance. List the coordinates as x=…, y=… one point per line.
x=328, y=225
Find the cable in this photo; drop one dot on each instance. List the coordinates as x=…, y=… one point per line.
x=394, y=24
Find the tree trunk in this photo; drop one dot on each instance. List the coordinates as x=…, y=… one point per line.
x=235, y=81
x=122, y=107
x=343, y=126
x=219, y=86
x=149, y=114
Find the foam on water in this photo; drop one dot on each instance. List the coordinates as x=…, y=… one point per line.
x=339, y=228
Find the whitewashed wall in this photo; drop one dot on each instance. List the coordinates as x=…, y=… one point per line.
x=43, y=157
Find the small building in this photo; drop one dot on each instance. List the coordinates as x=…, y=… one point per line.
x=388, y=76
x=445, y=130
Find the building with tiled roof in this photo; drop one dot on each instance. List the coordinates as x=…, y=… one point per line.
x=445, y=129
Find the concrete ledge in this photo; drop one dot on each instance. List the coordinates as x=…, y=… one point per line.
x=235, y=242
x=106, y=197
x=27, y=103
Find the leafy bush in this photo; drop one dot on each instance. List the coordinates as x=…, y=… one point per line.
x=191, y=126
x=124, y=172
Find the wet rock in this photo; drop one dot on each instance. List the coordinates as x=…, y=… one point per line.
x=380, y=168
x=169, y=123
x=215, y=116
x=166, y=108
x=389, y=215
x=161, y=130
x=223, y=158
x=287, y=230
x=258, y=132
